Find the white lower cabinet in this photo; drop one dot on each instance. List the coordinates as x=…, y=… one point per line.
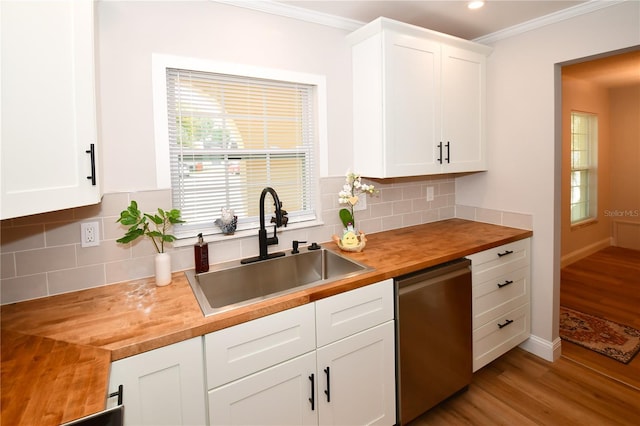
x=347, y=377
x=356, y=379
x=162, y=387
x=500, y=300
x=331, y=362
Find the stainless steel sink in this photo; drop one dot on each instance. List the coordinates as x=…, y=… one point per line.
x=230, y=285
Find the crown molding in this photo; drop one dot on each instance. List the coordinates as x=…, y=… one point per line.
x=552, y=18
x=302, y=14
x=295, y=12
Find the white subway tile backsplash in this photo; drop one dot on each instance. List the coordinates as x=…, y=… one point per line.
x=22, y=238
x=42, y=255
x=7, y=265
x=23, y=288
x=412, y=191
x=497, y=217
x=466, y=212
x=107, y=251
x=411, y=219
x=31, y=262
x=391, y=222
x=63, y=233
x=489, y=216
x=75, y=279
x=517, y=220
x=130, y=269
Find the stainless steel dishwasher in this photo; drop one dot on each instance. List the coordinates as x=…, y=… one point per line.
x=434, y=353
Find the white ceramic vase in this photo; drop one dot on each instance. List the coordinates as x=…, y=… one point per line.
x=163, y=269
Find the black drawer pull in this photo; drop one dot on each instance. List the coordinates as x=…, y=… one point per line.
x=505, y=253
x=119, y=394
x=312, y=400
x=440, y=155
x=328, y=391
x=504, y=284
x=507, y=322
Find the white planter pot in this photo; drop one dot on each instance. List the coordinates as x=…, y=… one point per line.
x=163, y=269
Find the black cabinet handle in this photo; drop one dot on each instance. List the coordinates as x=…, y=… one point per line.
x=505, y=253
x=507, y=322
x=440, y=156
x=328, y=391
x=506, y=283
x=119, y=394
x=448, y=153
x=92, y=152
x=312, y=400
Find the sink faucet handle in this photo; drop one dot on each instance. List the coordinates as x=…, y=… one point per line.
x=296, y=243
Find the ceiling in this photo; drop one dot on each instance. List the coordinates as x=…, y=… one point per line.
x=450, y=17
x=609, y=72
x=454, y=18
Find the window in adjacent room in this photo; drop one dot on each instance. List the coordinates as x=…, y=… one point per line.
x=584, y=162
x=232, y=135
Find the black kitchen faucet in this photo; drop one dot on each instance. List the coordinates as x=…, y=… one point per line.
x=280, y=219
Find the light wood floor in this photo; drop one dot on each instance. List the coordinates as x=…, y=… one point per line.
x=605, y=284
x=582, y=387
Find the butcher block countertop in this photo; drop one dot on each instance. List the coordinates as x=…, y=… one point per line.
x=56, y=350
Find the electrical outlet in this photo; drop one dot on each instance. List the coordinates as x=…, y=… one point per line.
x=429, y=193
x=89, y=234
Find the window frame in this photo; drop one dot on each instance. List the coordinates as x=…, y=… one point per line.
x=590, y=170
x=160, y=64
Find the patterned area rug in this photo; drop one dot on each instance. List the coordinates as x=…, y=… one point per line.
x=609, y=338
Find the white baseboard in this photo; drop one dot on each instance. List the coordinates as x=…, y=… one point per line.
x=545, y=349
x=576, y=255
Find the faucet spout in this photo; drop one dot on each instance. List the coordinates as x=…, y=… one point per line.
x=280, y=219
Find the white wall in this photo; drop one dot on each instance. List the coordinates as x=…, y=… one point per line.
x=130, y=32
x=523, y=153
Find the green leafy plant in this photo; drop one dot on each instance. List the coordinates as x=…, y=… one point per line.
x=140, y=224
x=349, y=195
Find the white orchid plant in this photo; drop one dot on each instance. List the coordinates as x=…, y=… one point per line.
x=349, y=195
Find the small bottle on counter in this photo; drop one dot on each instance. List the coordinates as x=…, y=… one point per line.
x=201, y=252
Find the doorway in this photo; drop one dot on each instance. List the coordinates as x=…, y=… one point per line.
x=599, y=256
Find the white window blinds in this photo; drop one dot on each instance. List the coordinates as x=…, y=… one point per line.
x=231, y=136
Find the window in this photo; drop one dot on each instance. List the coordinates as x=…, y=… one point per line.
x=230, y=136
x=584, y=161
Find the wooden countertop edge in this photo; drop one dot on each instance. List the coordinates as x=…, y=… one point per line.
x=194, y=325
x=40, y=375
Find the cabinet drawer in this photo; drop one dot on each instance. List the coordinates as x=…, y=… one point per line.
x=243, y=349
x=351, y=312
x=499, y=295
x=490, y=341
x=495, y=262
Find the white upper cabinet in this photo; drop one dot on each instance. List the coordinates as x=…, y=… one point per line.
x=48, y=107
x=418, y=101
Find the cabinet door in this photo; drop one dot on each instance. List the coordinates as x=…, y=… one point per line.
x=412, y=105
x=48, y=106
x=279, y=395
x=164, y=386
x=357, y=379
x=463, y=97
